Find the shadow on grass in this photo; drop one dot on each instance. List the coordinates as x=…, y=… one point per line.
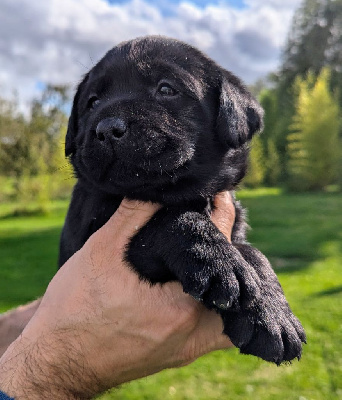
x=15, y=211
x=329, y=292
x=292, y=268
x=294, y=230
x=18, y=213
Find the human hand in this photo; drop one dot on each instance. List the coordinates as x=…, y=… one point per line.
x=98, y=325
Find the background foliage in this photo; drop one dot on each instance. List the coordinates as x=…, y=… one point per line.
x=302, y=102
x=32, y=162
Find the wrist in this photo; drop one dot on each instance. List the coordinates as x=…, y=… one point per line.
x=33, y=370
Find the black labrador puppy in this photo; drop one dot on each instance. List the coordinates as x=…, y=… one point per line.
x=156, y=120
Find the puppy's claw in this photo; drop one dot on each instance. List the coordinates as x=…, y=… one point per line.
x=222, y=304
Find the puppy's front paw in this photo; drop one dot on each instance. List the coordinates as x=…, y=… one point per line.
x=267, y=328
x=223, y=281
x=265, y=331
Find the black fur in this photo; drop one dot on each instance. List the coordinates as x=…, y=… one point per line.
x=156, y=120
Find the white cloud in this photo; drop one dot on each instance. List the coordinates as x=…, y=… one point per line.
x=56, y=41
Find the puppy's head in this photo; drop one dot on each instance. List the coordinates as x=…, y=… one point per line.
x=157, y=120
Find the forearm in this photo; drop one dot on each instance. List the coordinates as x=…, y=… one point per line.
x=30, y=369
x=15, y=366
x=13, y=322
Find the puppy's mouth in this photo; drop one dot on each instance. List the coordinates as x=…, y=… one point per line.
x=125, y=179
x=134, y=166
x=141, y=180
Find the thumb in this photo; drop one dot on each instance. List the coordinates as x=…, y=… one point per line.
x=126, y=221
x=224, y=213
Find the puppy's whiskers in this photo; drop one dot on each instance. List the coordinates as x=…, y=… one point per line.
x=167, y=173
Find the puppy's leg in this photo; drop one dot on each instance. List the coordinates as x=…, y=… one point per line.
x=186, y=246
x=267, y=328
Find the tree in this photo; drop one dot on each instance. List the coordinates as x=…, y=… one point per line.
x=269, y=102
x=314, y=146
x=12, y=127
x=256, y=168
x=274, y=151
x=273, y=164
x=315, y=41
x=31, y=149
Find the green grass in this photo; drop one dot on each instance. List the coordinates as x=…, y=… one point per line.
x=301, y=234
x=28, y=253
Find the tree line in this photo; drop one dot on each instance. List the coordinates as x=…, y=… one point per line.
x=32, y=162
x=300, y=147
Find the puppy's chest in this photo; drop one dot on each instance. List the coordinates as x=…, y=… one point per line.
x=90, y=211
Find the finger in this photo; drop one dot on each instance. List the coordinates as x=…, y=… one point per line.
x=127, y=220
x=224, y=213
x=206, y=325
x=206, y=337
x=211, y=325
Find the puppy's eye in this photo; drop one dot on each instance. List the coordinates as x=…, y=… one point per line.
x=93, y=102
x=166, y=90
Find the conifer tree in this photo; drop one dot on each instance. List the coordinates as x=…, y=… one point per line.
x=273, y=164
x=273, y=149
x=256, y=168
x=313, y=145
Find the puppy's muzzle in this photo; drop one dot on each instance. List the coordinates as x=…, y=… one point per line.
x=111, y=127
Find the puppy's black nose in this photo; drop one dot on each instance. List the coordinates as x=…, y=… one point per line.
x=111, y=126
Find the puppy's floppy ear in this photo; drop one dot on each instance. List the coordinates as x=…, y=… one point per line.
x=70, y=146
x=240, y=116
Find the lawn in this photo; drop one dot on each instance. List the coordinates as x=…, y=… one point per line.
x=301, y=234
